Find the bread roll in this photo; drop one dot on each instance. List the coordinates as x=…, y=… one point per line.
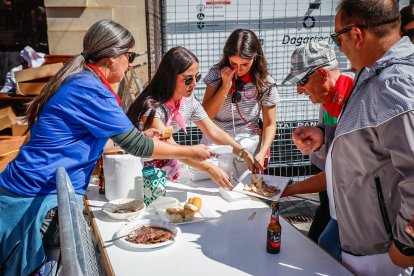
x=196, y=201
x=175, y=218
x=173, y=210
x=190, y=207
x=188, y=215
x=167, y=132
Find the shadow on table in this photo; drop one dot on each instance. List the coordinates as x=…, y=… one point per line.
x=241, y=234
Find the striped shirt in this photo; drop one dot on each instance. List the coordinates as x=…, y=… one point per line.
x=191, y=110
x=246, y=112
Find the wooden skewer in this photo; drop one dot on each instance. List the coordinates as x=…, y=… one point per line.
x=252, y=216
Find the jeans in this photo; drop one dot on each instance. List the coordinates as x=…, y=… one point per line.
x=329, y=240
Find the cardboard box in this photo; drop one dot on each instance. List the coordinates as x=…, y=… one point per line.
x=31, y=81
x=9, y=148
x=18, y=130
x=7, y=117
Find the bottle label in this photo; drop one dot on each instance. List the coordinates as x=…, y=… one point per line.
x=275, y=238
x=275, y=215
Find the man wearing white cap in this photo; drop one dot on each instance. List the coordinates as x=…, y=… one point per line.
x=315, y=71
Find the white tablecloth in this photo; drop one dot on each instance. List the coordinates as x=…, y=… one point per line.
x=228, y=245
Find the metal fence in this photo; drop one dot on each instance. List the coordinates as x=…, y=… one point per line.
x=77, y=249
x=281, y=25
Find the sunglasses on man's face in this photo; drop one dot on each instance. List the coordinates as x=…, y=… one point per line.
x=131, y=56
x=409, y=32
x=335, y=35
x=236, y=96
x=189, y=80
x=305, y=79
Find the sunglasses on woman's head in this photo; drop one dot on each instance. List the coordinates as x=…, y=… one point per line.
x=131, y=56
x=236, y=96
x=189, y=80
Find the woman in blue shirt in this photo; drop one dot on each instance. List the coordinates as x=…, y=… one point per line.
x=70, y=122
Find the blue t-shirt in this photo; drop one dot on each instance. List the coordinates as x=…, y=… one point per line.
x=71, y=131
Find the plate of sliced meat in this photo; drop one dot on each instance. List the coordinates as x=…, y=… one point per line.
x=148, y=233
x=263, y=186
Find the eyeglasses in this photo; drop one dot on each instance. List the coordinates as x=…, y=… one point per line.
x=334, y=36
x=236, y=96
x=409, y=32
x=131, y=56
x=304, y=80
x=189, y=80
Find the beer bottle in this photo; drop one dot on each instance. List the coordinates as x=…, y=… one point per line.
x=274, y=230
x=101, y=176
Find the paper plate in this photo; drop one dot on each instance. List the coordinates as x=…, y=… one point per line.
x=203, y=215
x=110, y=208
x=277, y=181
x=130, y=227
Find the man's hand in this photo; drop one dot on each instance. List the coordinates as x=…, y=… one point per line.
x=308, y=138
x=409, y=228
x=398, y=258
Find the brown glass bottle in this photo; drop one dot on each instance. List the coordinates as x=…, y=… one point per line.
x=274, y=231
x=101, y=176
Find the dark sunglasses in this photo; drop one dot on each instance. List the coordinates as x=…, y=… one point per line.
x=236, y=96
x=409, y=32
x=305, y=79
x=189, y=80
x=131, y=56
x=334, y=36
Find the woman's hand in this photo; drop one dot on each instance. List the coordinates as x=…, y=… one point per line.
x=200, y=151
x=227, y=75
x=253, y=164
x=217, y=175
x=153, y=133
x=260, y=158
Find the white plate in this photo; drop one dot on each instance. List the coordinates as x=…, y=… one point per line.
x=204, y=214
x=111, y=206
x=126, y=229
x=277, y=181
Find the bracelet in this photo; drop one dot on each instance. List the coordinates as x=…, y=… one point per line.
x=240, y=154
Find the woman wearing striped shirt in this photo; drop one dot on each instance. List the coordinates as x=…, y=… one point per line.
x=239, y=88
x=168, y=100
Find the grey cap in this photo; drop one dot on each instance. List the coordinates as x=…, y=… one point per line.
x=308, y=57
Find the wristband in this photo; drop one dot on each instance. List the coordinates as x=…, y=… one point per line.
x=240, y=154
